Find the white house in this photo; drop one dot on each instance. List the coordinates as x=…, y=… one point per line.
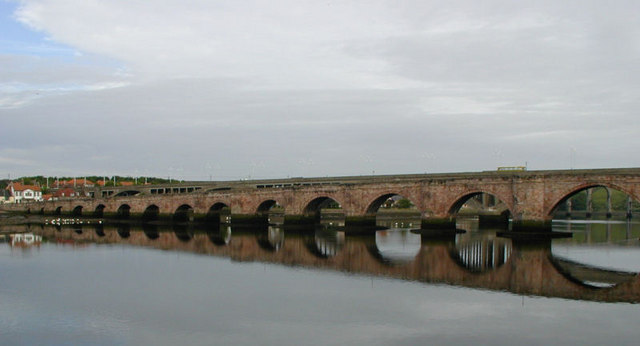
x=24, y=193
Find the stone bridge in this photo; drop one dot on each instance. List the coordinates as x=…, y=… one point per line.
x=520, y=268
x=531, y=197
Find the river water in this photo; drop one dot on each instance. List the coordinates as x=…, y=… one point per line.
x=157, y=285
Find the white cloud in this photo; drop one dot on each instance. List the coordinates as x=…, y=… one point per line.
x=154, y=84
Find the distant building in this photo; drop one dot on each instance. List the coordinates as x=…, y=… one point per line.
x=65, y=192
x=19, y=193
x=69, y=192
x=72, y=182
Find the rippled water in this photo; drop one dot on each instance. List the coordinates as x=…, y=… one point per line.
x=166, y=286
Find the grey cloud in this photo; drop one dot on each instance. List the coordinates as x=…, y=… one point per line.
x=318, y=90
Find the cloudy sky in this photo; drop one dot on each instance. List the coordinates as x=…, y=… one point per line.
x=199, y=89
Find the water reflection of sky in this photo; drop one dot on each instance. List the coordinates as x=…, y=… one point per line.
x=123, y=294
x=128, y=295
x=398, y=245
x=611, y=244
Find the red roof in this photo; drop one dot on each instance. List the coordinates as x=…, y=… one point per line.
x=20, y=187
x=66, y=192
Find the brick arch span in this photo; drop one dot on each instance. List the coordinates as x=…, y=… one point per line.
x=261, y=204
x=217, y=204
x=151, y=213
x=313, y=203
x=78, y=210
x=166, y=206
x=372, y=201
x=266, y=205
x=296, y=203
x=98, y=210
x=454, y=204
x=561, y=196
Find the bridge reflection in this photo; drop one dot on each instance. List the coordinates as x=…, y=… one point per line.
x=479, y=255
x=476, y=260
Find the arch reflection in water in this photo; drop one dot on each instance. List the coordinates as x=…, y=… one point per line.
x=183, y=232
x=591, y=276
x=124, y=230
x=601, y=253
x=325, y=242
x=272, y=238
x=532, y=269
x=397, y=245
x=99, y=229
x=220, y=234
x=151, y=231
x=482, y=251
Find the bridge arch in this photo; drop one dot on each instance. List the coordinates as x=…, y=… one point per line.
x=151, y=213
x=387, y=198
x=271, y=211
x=77, y=211
x=123, y=212
x=568, y=193
x=184, y=213
x=99, y=211
x=219, y=206
x=313, y=207
x=463, y=198
x=219, y=212
x=394, y=210
x=499, y=213
x=58, y=210
x=265, y=206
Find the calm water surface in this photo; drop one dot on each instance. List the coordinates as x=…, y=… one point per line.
x=156, y=286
